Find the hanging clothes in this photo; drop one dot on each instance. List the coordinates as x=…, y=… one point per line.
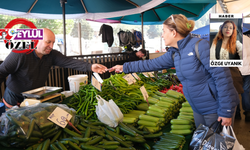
x=138, y=38
x=107, y=34
x=126, y=38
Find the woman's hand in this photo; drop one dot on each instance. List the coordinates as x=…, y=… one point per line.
x=98, y=68
x=225, y=121
x=117, y=68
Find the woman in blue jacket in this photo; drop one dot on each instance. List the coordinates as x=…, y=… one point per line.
x=209, y=90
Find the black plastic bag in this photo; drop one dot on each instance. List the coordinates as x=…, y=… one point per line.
x=206, y=138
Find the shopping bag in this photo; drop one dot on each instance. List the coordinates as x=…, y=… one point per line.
x=229, y=131
x=206, y=138
x=108, y=112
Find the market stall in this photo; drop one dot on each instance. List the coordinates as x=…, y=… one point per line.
x=161, y=120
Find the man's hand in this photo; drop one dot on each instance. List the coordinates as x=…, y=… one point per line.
x=117, y=68
x=98, y=68
x=225, y=121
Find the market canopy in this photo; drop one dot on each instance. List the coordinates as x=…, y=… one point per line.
x=192, y=9
x=81, y=9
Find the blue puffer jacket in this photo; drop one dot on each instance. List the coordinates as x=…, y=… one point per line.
x=208, y=89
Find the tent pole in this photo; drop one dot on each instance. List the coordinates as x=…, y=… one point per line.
x=64, y=25
x=143, y=44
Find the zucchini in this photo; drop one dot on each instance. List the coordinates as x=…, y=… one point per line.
x=159, y=93
x=147, y=123
x=174, y=94
x=182, y=132
x=146, y=146
x=137, y=112
x=186, y=117
x=156, y=108
x=156, y=114
x=186, y=114
x=186, y=104
x=142, y=106
x=100, y=132
x=180, y=121
x=129, y=120
x=186, y=109
x=180, y=127
x=152, y=100
x=81, y=127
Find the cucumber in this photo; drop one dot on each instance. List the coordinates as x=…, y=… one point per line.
x=156, y=135
x=89, y=147
x=146, y=146
x=108, y=146
x=182, y=132
x=180, y=121
x=70, y=139
x=95, y=140
x=72, y=133
x=74, y=146
x=46, y=144
x=61, y=146
x=109, y=137
x=87, y=132
x=180, y=127
x=111, y=143
x=135, y=139
x=56, y=137
x=123, y=143
x=53, y=147
x=82, y=139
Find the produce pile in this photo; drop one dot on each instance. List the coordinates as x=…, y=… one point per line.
x=29, y=125
x=126, y=97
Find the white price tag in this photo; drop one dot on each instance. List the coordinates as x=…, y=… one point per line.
x=97, y=76
x=151, y=74
x=96, y=83
x=59, y=116
x=129, y=78
x=136, y=76
x=144, y=92
x=145, y=74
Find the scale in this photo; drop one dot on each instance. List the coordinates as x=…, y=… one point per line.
x=41, y=95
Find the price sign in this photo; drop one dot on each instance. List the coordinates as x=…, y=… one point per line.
x=129, y=78
x=136, y=76
x=145, y=74
x=151, y=74
x=144, y=93
x=59, y=116
x=97, y=76
x=96, y=83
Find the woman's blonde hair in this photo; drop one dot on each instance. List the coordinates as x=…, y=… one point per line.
x=180, y=23
x=231, y=44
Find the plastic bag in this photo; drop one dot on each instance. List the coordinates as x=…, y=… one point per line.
x=229, y=130
x=25, y=126
x=108, y=112
x=206, y=138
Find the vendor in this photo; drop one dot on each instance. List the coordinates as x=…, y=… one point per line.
x=30, y=71
x=137, y=55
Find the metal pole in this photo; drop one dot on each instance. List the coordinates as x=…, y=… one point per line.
x=64, y=25
x=143, y=44
x=80, y=37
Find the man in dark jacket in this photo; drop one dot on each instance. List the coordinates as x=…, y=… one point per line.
x=137, y=55
x=29, y=71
